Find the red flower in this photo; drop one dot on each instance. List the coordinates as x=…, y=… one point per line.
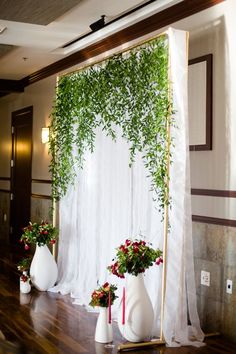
x=24, y=278
x=27, y=247
x=52, y=242
x=128, y=242
x=105, y=285
x=123, y=249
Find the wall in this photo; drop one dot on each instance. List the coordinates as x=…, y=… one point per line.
x=211, y=31
x=215, y=245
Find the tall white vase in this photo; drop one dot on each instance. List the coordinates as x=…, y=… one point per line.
x=139, y=314
x=103, y=332
x=43, y=269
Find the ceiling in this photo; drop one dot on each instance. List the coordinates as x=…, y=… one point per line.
x=34, y=32
x=39, y=38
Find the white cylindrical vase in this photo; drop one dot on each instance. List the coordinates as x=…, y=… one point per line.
x=43, y=269
x=103, y=332
x=139, y=314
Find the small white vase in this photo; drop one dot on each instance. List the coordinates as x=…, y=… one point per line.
x=103, y=332
x=43, y=269
x=25, y=286
x=139, y=314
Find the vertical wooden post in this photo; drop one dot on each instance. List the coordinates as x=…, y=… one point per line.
x=166, y=207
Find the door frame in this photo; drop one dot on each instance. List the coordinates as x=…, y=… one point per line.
x=14, y=116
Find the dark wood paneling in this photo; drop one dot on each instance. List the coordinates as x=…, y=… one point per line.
x=209, y=86
x=164, y=18
x=40, y=196
x=214, y=193
x=45, y=181
x=214, y=221
x=22, y=122
x=11, y=86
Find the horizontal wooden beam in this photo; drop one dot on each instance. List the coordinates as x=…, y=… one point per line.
x=214, y=193
x=214, y=221
x=8, y=86
x=157, y=21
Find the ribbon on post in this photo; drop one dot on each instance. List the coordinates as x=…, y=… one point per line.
x=123, y=307
x=109, y=307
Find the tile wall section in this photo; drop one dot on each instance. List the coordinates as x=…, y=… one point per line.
x=215, y=252
x=41, y=209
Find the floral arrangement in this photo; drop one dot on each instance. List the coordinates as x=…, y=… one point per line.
x=104, y=296
x=134, y=257
x=41, y=234
x=25, y=278
x=24, y=264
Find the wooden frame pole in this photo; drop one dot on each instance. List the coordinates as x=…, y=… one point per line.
x=166, y=207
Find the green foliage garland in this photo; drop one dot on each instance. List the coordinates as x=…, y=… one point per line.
x=130, y=90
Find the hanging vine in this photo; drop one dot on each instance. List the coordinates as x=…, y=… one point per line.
x=130, y=90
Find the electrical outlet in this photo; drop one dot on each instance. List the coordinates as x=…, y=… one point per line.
x=229, y=286
x=205, y=278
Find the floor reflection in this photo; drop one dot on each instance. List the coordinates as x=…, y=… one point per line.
x=43, y=311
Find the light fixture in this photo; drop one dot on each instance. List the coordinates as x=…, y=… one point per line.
x=95, y=26
x=45, y=135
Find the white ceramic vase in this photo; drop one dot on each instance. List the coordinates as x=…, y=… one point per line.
x=25, y=286
x=43, y=269
x=103, y=332
x=139, y=314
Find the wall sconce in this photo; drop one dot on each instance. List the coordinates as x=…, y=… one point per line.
x=45, y=135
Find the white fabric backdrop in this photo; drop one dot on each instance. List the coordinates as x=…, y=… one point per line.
x=111, y=202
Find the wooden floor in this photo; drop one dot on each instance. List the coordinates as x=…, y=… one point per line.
x=42, y=322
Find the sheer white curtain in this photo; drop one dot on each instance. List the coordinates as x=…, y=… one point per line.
x=110, y=202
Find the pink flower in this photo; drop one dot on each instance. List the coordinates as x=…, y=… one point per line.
x=52, y=242
x=159, y=261
x=27, y=247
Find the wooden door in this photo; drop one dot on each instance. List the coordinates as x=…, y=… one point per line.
x=21, y=165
